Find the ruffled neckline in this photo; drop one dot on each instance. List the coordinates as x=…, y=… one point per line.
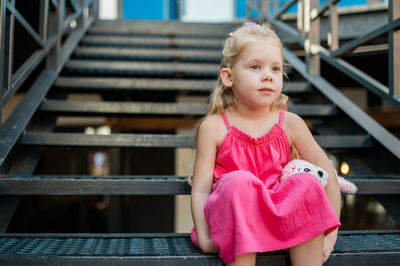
x=270, y=135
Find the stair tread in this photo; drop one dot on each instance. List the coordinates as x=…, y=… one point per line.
x=145, y=51
x=171, y=28
x=136, y=53
x=147, y=185
x=108, y=64
x=162, y=140
x=94, y=185
x=113, y=140
x=127, y=84
x=125, y=108
x=124, y=248
x=153, y=41
x=127, y=67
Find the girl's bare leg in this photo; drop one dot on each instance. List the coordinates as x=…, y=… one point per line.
x=308, y=253
x=248, y=259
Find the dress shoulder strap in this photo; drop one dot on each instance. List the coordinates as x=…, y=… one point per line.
x=281, y=117
x=228, y=126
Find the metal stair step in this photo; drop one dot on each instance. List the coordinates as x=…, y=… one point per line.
x=142, y=68
x=169, y=28
x=109, y=84
x=127, y=41
x=148, y=54
x=122, y=108
x=148, y=185
x=173, y=249
x=314, y=110
x=376, y=184
x=161, y=140
x=100, y=84
x=94, y=185
x=140, y=108
x=113, y=140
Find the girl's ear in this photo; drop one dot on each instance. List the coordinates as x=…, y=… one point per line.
x=226, y=77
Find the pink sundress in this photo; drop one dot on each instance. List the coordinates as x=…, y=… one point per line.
x=249, y=210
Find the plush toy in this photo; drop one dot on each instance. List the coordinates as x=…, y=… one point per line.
x=300, y=166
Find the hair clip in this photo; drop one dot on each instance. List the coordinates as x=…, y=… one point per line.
x=231, y=34
x=251, y=25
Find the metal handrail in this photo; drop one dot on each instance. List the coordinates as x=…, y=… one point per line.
x=332, y=56
x=51, y=45
x=382, y=135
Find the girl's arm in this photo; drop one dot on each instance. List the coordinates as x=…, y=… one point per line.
x=203, y=180
x=309, y=150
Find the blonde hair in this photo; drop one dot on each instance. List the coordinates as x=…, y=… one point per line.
x=222, y=97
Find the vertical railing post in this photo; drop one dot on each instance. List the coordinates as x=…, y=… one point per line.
x=3, y=33
x=276, y=6
x=95, y=9
x=55, y=28
x=9, y=49
x=312, y=36
x=265, y=7
x=333, y=34
x=248, y=10
x=2, y=54
x=43, y=19
x=300, y=17
x=81, y=21
x=120, y=6
x=394, y=50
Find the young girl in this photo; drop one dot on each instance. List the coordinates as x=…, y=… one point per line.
x=239, y=207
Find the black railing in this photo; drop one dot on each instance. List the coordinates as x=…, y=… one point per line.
x=61, y=25
x=308, y=36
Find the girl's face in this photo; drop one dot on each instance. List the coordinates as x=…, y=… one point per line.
x=257, y=76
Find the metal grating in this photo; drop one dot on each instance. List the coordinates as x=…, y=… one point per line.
x=106, y=246
x=159, y=246
x=368, y=242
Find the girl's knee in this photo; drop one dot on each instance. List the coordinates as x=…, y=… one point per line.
x=240, y=178
x=309, y=252
x=245, y=259
x=236, y=181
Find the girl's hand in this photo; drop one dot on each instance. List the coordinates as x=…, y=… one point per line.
x=208, y=247
x=328, y=248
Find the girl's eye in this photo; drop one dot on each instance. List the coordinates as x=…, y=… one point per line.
x=255, y=67
x=276, y=69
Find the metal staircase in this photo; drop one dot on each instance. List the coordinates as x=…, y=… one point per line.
x=140, y=68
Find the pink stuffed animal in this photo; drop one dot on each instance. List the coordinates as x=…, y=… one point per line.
x=300, y=166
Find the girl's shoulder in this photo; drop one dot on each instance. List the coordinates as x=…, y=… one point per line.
x=293, y=125
x=292, y=118
x=211, y=122
x=213, y=128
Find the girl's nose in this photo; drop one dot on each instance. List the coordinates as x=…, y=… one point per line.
x=267, y=76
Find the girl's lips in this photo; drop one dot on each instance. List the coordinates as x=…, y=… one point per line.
x=266, y=90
